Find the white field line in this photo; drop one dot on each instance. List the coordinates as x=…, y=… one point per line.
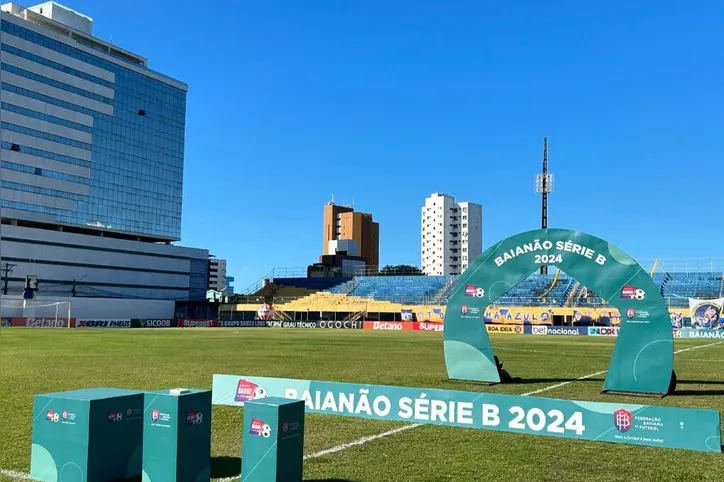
x=363, y=440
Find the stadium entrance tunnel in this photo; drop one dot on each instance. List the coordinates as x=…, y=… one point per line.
x=643, y=358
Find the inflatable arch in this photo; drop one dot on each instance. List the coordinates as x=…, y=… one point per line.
x=643, y=357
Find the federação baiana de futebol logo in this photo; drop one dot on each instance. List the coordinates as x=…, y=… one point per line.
x=622, y=420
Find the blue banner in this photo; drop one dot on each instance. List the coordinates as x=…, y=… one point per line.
x=556, y=330
x=682, y=428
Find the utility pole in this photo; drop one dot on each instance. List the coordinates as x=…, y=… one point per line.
x=543, y=186
x=7, y=270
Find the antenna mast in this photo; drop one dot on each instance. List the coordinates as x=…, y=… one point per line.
x=543, y=186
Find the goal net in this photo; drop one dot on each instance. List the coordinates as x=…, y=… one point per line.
x=37, y=313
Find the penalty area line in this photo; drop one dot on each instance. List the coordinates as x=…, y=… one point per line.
x=13, y=475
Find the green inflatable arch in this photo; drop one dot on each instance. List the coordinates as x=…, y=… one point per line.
x=643, y=357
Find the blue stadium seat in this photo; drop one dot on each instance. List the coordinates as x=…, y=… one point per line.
x=399, y=289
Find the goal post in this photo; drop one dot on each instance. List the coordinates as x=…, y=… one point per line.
x=55, y=313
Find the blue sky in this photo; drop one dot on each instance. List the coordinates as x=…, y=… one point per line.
x=384, y=102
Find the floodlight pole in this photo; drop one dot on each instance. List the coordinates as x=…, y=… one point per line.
x=543, y=186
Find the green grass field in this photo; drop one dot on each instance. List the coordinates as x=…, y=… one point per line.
x=45, y=360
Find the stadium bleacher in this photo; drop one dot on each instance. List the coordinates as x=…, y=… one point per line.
x=537, y=290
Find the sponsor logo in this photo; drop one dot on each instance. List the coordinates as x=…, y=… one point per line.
x=160, y=419
x=354, y=325
x=603, y=330
x=632, y=293
x=637, y=316
x=52, y=415
x=104, y=323
x=474, y=291
x=45, y=323
x=677, y=333
x=622, y=420
x=290, y=429
x=247, y=390
x=155, y=323
x=424, y=326
x=539, y=330
x=470, y=312
x=242, y=323
x=198, y=323
x=115, y=417
x=385, y=325
x=194, y=418
x=563, y=331
x=259, y=428
x=68, y=418
x=510, y=329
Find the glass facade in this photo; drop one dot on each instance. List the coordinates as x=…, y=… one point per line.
x=131, y=144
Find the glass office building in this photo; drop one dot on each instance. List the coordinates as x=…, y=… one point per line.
x=92, y=139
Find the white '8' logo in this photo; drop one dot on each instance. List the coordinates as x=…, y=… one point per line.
x=199, y=418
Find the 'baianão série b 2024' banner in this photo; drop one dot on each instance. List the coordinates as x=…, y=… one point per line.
x=682, y=428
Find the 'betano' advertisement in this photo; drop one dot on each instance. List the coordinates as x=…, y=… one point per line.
x=656, y=426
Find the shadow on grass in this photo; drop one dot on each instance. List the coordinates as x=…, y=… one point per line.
x=328, y=480
x=697, y=393
x=700, y=382
x=524, y=381
x=223, y=467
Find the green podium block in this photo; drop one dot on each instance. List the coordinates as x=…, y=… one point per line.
x=89, y=435
x=177, y=436
x=273, y=440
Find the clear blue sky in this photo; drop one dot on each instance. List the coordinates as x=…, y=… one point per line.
x=385, y=102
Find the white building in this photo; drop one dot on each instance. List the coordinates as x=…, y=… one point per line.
x=217, y=274
x=452, y=235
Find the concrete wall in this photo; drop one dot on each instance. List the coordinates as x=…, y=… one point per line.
x=86, y=308
x=102, y=267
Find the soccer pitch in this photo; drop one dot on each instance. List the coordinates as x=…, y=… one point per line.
x=351, y=449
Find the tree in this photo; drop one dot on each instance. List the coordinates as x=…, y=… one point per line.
x=401, y=270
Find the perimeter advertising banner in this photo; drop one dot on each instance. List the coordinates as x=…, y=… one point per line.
x=657, y=426
x=154, y=323
x=528, y=315
x=327, y=325
x=104, y=323
x=701, y=333
x=402, y=326
x=192, y=323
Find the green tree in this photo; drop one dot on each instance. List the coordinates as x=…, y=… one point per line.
x=401, y=270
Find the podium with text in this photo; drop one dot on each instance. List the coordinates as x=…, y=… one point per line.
x=88, y=435
x=177, y=436
x=273, y=440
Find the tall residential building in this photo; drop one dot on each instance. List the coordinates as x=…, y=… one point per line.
x=452, y=235
x=217, y=274
x=92, y=153
x=354, y=232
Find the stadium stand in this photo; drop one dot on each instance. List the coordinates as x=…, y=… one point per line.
x=393, y=292
x=415, y=290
